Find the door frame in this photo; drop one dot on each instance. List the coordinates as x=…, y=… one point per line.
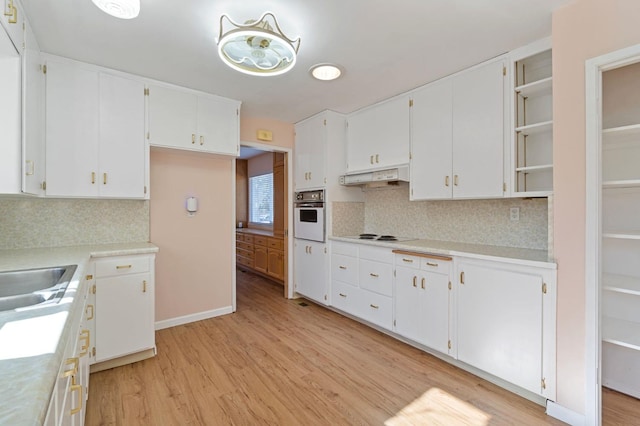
x=593, y=80
x=288, y=278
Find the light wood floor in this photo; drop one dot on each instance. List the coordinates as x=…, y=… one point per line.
x=277, y=362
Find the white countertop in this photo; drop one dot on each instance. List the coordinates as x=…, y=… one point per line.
x=32, y=340
x=520, y=256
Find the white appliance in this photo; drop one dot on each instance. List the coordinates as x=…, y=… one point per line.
x=390, y=175
x=309, y=216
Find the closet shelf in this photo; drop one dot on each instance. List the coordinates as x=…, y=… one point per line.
x=620, y=332
x=529, y=169
x=537, y=88
x=621, y=284
x=622, y=235
x=536, y=128
x=623, y=183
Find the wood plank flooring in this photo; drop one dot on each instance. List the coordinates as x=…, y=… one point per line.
x=277, y=362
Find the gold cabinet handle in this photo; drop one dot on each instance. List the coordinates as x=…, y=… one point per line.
x=462, y=277
x=144, y=286
x=455, y=180
x=93, y=177
x=342, y=295
x=13, y=13
x=342, y=267
x=76, y=388
x=74, y=362
x=201, y=140
x=432, y=264
x=415, y=279
x=377, y=159
x=86, y=311
x=371, y=159
x=29, y=168
x=309, y=175
x=422, y=283
x=310, y=247
x=404, y=259
x=446, y=181
x=193, y=138
x=374, y=275
x=374, y=306
x=85, y=336
x=123, y=267
x=104, y=178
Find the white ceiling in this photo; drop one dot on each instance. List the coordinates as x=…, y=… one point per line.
x=385, y=47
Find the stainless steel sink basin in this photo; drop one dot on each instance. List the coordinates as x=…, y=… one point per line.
x=34, y=286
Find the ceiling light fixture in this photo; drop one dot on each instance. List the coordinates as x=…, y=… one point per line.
x=325, y=72
x=254, y=47
x=123, y=9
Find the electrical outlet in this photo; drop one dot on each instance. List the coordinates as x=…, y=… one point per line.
x=514, y=214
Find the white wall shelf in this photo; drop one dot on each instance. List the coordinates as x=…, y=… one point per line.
x=627, y=183
x=536, y=88
x=622, y=235
x=530, y=169
x=536, y=128
x=609, y=133
x=621, y=284
x=621, y=333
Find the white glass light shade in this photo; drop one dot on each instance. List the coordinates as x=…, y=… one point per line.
x=123, y=9
x=325, y=72
x=255, y=49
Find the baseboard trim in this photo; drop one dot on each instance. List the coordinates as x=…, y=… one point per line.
x=559, y=412
x=199, y=316
x=123, y=360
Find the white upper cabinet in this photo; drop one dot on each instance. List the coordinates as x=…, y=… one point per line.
x=10, y=116
x=12, y=19
x=378, y=136
x=457, y=135
x=310, y=154
x=182, y=119
x=94, y=134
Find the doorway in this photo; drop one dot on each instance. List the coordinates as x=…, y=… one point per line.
x=263, y=204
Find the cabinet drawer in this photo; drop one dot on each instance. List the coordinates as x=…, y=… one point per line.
x=344, y=268
x=260, y=240
x=344, y=248
x=376, y=309
x=122, y=265
x=346, y=298
x=245, y=253
x=376, y=277
x=376, y=253
x=244, y=245
x=244, y=261
x=436, y=265
x=275, y=243
x=407, y=261
x=424, y=261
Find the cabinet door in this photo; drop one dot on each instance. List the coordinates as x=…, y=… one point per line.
x=310, y=153
x=275, y=266
x=310, y=265
x=378, y=137
x=431, y=138
x=72, y=111
x=218, y=129
x=500, y=323
x=407, y=304
x=260, y=261
x=33, y=118
x=435, y=321
x=124, y=315
x=172, y=118
x=122, y=145
x=13, y=19
x=10, y=117
x=478, y=132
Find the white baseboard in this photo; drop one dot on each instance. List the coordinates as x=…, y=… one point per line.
x=559, y=412
x=172, y=322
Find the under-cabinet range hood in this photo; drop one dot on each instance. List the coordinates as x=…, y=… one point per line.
x=397, y=174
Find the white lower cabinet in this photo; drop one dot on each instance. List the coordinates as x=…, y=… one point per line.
x=424, y=300
x=506, y=322
x=124, y=306
x=310, y=270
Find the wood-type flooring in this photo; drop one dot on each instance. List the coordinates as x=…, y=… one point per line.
x=278, y=362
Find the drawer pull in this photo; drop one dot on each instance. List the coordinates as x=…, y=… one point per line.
x=435, y=265
x=78, y=389
x=407, y=260
x=343, y=295
x=71, y=361
x=374, y=306
x=85, y=336
x=123, y=267
x=415, y=284
x=342, y=267
x=374, y=275
x=86, y=311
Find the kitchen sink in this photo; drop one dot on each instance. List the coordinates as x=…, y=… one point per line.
x=30, y=287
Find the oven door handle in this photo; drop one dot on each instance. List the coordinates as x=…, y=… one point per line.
x=316, y=206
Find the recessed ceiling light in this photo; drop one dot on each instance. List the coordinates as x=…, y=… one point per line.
x=123, y=9
x=325, y=72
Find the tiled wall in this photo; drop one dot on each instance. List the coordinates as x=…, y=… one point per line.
x=389, y=211
x=28, y=223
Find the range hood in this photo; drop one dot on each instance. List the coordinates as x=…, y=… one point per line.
x=396, y=174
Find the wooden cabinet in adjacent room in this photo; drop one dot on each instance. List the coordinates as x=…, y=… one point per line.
x=260, y=253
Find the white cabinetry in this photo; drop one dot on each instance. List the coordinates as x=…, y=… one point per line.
x=620, y=242
x=345, y=294
x=506, y=322
x=183, y=119
x=95, y=133
x=457, y=131
x=124, y=306
x=378, y=136
x=310, y=154
x=310, y=270
x=533, y=120
x=12, y=19
x=424, y=301
x=10, y=116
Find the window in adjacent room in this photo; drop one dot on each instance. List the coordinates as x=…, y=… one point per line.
x=261, y=199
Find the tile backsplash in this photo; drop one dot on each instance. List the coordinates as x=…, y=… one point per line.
x=389, y=211
x=29, y=223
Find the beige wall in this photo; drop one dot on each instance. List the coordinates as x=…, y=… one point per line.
x=581, y=30
x=195, y=264
x=283, y=133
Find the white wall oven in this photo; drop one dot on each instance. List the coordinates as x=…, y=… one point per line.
x=309, y=216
